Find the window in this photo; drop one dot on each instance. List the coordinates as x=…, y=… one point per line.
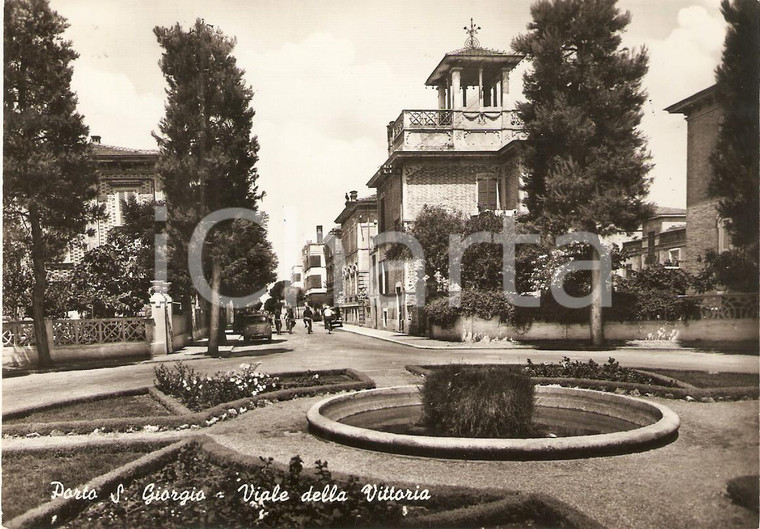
x=674, y=258
x=381, y=226
x=314, y=282
x=315, y=261
x=724, y=239
x=119, y=198
x=296, y=278
x=383, y=277
x=487, y=195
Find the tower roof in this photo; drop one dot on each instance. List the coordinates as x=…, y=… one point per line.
x=491, y=60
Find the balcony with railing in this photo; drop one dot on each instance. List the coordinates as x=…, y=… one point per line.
x=486, y=129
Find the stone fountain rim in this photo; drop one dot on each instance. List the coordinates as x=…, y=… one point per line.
x=656, y=434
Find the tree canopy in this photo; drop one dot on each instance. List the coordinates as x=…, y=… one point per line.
x=114, y=278
x=734, y=160
x=585, y=159
x=48, y=176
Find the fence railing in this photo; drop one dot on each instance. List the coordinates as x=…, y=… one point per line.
x=727, y=306
x=78, y=332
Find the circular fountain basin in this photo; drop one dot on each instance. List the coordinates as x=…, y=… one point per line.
x=370, y=419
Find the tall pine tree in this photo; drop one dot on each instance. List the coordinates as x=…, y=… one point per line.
x=585, y=159
x=735, y=158
x=207, y=153
x=49, y=179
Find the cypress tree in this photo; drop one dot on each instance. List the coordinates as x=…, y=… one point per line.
x=735, y=158
x=585, y=159
x=207, y=153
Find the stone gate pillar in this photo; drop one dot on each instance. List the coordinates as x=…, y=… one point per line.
x=161, y=313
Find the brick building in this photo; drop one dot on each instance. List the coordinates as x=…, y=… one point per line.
x=358, y=227
x=705, y=229
x=122, y=173
x=462, y=155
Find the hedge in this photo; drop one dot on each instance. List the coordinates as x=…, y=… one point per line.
x=705, y=394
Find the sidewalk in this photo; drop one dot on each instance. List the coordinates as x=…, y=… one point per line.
x=421, y=342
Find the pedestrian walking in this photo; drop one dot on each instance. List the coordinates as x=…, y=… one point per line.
x=290, y=320
x=327, y=315
x=277, y=321
x=307, y=317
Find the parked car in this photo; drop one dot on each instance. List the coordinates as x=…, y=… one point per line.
x=256, y=326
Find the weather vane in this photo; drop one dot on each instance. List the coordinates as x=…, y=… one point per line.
x=471, y=41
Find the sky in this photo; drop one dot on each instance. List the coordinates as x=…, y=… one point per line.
x=329, y=75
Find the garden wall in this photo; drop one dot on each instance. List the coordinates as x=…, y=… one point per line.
x=468, y=329
x=75, y=341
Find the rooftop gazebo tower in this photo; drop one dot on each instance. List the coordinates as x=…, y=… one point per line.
x=463, y=155
x=475, y=111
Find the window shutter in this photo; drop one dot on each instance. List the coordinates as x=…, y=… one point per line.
x=487, y=194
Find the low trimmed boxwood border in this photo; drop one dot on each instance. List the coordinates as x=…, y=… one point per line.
x=183, y=417
x=510, y=507
x=668, y=392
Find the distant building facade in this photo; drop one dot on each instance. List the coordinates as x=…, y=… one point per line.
x=333, y=259
x=314, y=272
x=358, y=227
x=705, y=229
x=661, y=240
x=122, y=173
x=296, y=276
x=463, y=155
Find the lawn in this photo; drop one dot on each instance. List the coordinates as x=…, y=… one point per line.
x=107, y=408
x=703, y=379
x=27, y=476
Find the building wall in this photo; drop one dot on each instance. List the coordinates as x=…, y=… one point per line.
x=455, y=185
x=452, y=184
x=701, y=216
x=701, y=234
x=702, y=135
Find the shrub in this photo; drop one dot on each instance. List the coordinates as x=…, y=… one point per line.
x=734, y=270
x=481, y=303
x=198, y=392
x=439, y=312
x=653, y=294
x=465, y=401
x=590, y=370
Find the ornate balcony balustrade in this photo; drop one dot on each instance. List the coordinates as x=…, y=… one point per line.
x=461, y=129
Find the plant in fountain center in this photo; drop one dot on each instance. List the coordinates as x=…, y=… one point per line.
x=465, y=401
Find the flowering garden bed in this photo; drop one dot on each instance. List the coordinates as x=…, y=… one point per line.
x=197, y=483
x=614, y=378
x=226, y=397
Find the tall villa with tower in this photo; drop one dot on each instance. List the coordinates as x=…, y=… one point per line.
x=462, y=155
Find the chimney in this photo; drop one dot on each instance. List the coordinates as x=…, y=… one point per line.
x=319, y=234
x=354, y=195
x=95, y=139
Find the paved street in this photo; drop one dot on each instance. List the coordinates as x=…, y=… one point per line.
x=682, y=484
x=382, y=360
